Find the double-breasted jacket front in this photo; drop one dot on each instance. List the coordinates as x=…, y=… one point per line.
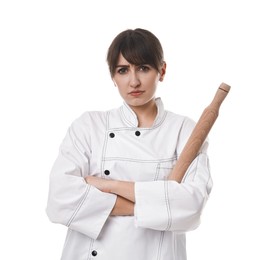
x=110, y=145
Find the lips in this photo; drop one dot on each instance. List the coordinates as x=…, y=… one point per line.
x=136, y=93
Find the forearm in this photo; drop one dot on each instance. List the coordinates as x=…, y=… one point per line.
x=123, y=207
x=123, y=189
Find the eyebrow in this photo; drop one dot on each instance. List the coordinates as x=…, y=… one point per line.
x=122, y=66
x=127, y=66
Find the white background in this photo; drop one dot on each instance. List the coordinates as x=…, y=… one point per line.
x=52, y=69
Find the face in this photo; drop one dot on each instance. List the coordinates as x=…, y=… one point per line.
x=137, y=84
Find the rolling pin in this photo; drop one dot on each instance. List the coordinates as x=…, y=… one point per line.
x=199, y=134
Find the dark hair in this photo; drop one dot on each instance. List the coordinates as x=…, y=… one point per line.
x=138, y=47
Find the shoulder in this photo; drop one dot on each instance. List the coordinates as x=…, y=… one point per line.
x=89, y=117
x=185, y=121
x=92, y=119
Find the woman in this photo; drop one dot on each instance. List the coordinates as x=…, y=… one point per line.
x=109, y=184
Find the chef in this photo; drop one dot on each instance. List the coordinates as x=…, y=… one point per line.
x=109, y=184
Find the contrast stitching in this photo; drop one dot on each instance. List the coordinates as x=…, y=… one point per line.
x=160, y=245
x=157, y=172
x=79, y=206
x=151, y=128
x=166, y=189
x=104, y=144
x=90, y=249
x=124, y=117
x=195, y=172
x=138, y=160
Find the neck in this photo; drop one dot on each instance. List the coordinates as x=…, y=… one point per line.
x=146, y=114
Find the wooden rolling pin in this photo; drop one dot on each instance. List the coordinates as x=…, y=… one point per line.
x=199, y=134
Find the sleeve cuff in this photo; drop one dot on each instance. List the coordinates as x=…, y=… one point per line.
x=93, y=212
x=150, y=200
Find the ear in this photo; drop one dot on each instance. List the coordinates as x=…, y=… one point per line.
x=163, y=71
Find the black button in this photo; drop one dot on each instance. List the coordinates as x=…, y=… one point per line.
x=112, y=135
x=106, y=172
x=94, y=253
x=137, y=133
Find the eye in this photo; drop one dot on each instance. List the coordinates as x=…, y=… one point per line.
x=144, y=68
x=122, y=70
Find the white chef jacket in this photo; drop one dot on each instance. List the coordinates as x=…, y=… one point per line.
x=110, y=145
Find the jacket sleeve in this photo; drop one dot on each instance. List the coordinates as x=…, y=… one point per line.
x=169, y=205
x=71, y=201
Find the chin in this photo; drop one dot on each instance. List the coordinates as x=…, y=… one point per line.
x=139, y=102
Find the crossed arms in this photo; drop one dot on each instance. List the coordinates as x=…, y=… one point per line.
x=124, y=190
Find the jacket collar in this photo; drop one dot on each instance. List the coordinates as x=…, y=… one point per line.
x=130, y=118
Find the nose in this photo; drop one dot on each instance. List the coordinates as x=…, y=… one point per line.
x=134, y=80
